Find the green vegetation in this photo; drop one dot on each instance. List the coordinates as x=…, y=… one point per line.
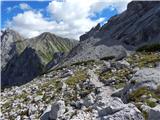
x=119, y=75
x=54, y=85
x=7, y=105
x=136, y=96
x=88, y=62
x=119, y=85
x=150, y=103
x=23, y=95
x=144, y=59
x=149, y=48
x=45, y=56
x=78, y=76
x=145, y=115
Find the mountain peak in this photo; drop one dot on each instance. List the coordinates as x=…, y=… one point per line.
x=11, y=33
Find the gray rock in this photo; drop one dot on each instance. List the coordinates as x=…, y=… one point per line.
x=146, y=77
x=154, y=113
x=130, y=112
x=38, y=98
x=89, y=100
x=32, y=109
x=117, y=93
x=114, y=109
x=110, y=106
x=124, y=64
x=97, y=90
x=145, y=108
x=109, y=82
x=45, y=115
x=77, y=104
x=158, y=65
x=57, y=110
x=67, y=73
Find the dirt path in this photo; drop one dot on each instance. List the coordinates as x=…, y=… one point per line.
x=106, y=90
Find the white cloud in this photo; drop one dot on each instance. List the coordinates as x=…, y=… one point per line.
x=30, y=23
x=24, y=6
x=70, y=18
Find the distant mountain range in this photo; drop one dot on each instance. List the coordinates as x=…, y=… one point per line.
x=23, y=59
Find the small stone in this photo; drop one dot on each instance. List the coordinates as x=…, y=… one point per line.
x=57, y=110
x=77, y=104
x=38, y=98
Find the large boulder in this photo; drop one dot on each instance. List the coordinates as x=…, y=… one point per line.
x=130, y=112
x=114, y=109
x=146, y=77
x=154, y=113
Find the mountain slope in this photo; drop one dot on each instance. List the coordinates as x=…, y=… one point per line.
x=47, y=44
x=138, y=25
x=10, y=45
x=33, y=57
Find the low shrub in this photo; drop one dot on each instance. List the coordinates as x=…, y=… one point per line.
x=149, y=48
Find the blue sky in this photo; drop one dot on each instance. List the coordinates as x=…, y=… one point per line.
x=15, y=9
x=67, y=18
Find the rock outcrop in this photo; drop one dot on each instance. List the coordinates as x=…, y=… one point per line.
x=9, y=45
x=136, y=26
x=148, y=78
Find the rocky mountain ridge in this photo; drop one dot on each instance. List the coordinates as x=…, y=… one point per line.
x=137, y=26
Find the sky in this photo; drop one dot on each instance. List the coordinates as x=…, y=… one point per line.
x=66, y=18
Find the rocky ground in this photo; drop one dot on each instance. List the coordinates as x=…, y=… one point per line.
x=127, y=89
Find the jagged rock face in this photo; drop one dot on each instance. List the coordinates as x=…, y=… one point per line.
x=58, y=56
x=9, y=39
x=28, y=58
x=138, y=25
x=21, y=69
x=90, y=33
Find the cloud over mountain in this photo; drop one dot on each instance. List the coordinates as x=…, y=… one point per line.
x=68, y=18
